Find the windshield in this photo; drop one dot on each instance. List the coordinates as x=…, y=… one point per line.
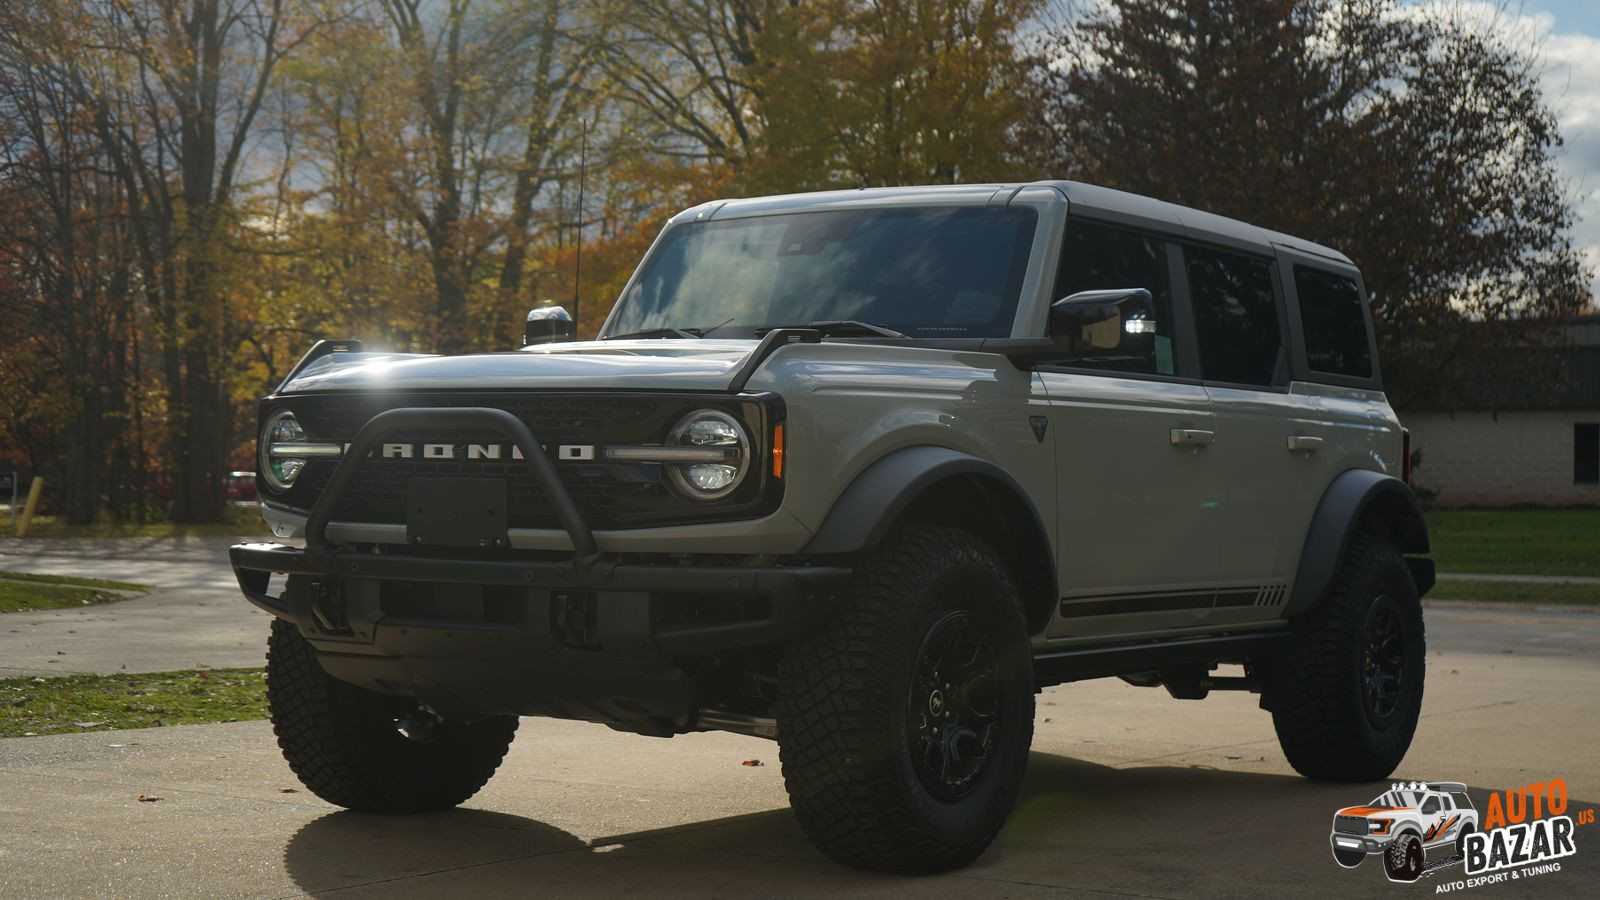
x=925, y=272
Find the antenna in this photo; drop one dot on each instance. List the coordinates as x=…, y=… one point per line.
x=577, y=264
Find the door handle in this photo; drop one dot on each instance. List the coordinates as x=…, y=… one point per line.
x=1192, y=437
x=1306, y=442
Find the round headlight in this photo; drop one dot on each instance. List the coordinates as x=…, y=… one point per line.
x=724, y=459
x=278, y=464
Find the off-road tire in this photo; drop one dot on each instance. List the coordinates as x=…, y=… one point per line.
x=1314, y=689
x=341, y=740
x=1349, y=858
x=1403, y=859
x=844, y=708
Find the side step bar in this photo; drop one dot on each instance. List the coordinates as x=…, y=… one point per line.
x=1080, y=663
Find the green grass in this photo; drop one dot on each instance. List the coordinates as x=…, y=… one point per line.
x=239, y=521
x=1515, y=592
x=1517, y=541
x=20, y=591
x=16, y=597
x=73, y=580
x=34, y=706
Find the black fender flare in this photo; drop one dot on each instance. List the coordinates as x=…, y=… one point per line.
x=1345, y=507
x=871, y=504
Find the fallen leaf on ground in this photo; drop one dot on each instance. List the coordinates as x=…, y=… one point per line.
x=144, y=799
x=751, y=762
x=287, y=791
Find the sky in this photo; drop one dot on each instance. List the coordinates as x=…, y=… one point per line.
x=1565, y=36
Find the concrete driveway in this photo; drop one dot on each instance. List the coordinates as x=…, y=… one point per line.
x=193, y=614
x=1129, y=793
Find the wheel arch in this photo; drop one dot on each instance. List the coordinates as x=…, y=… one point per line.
x=940, y=486
x=1360, y=501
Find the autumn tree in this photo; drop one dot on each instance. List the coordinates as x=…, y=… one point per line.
x=841, y=93
x=174, y=89
x=1420, y=147
x=66, y=246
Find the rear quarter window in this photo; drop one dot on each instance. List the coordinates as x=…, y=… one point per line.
x=1334, y=323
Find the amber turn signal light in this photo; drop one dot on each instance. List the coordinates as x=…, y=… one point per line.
x=777, y=450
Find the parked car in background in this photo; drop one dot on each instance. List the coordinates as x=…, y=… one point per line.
x=241, y=485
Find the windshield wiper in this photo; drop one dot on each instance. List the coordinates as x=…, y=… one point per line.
x=842, y=328
x=690, y=333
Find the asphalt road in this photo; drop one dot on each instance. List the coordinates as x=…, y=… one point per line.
x=1129, y=793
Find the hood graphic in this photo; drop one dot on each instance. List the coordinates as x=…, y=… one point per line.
x=626, y=365
x=1370, y=810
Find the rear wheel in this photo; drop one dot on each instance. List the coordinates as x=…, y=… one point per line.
x=1346, y=695
x=904, y=726
x=368, y=751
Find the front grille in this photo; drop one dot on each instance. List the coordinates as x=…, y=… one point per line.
x=610, y=494
x=1350, y=825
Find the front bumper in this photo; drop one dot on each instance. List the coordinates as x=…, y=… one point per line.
x=1359, y=843
x=633, y=600
x=587, y=637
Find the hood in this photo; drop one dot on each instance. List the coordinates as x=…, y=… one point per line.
x=667, y=364
x=1371, y=810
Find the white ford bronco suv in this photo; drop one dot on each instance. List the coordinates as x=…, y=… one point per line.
x=1403, y=824
x=860, y=472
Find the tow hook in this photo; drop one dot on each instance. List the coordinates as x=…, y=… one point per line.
x=327, y=605
x=422, y=725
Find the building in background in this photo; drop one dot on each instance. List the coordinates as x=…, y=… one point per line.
x=1518, y=451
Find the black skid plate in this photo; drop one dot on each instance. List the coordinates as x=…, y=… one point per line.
x=456, y=512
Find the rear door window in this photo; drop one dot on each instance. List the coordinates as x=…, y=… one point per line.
x=1334, y=323
x=1236, y=318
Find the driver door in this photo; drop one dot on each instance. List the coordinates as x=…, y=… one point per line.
x=1138, y=485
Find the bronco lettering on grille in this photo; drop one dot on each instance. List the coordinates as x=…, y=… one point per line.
x=571, y=452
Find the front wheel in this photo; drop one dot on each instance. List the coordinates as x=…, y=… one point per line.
x=904, y=726
x=1403, y=860
x=368, y=751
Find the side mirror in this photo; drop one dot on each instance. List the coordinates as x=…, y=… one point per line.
x=1111, y=324
x=547, y=325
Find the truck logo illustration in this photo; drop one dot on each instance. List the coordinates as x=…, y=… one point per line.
x=1405, y=824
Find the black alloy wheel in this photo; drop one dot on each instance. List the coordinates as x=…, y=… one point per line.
x=1383, y=659
x=954, y=711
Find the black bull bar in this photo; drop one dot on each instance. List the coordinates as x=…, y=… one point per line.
x=797, y=594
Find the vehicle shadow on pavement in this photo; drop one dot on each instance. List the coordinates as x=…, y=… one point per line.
x=1157, y=830
x=344, y=849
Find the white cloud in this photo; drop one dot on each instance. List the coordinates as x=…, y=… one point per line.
x=1572, y=87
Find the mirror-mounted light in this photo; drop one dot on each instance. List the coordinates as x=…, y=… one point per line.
x=1114, y=324
x=1109, y=324
x=548, y=325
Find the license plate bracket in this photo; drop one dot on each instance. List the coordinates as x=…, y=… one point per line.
x=456, y=512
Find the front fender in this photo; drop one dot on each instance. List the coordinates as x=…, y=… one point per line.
x=967, y=492
x=876, y=498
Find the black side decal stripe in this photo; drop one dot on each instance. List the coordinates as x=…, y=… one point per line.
x=1118, y=604
x=1137, y=604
